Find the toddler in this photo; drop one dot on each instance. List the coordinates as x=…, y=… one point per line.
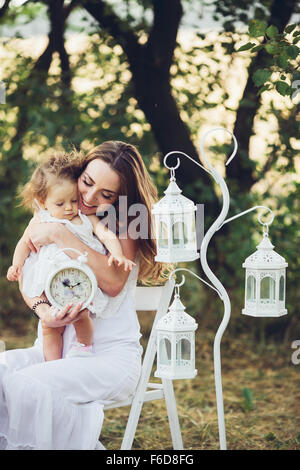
x=53, y=190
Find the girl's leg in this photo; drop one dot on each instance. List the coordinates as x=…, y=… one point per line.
x=52, y=343
x=85, y=329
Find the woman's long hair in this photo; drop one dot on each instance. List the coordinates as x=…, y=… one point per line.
x=137, y=185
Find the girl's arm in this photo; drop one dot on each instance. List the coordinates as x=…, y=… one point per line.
x=111, y=279
x=21, y=252
x=111, y=242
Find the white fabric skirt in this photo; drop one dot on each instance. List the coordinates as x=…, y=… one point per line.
x=58, y=405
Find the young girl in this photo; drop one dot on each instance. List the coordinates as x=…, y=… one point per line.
x=53, y=189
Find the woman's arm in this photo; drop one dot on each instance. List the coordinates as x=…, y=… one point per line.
x=111, y=279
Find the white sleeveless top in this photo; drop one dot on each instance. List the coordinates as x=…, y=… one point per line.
x=37, y=267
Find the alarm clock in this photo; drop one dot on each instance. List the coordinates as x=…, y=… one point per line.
x=70, y=281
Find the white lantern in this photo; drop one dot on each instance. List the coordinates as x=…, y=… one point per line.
x=265, y=282
x=175, y=226
x=176, y=343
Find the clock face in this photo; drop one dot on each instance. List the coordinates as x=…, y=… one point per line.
x=70, y=285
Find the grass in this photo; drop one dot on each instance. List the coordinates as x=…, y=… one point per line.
x=261, y=399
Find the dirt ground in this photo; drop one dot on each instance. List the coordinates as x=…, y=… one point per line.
x=261, y=392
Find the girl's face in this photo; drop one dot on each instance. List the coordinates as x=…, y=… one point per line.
x=62, y=200
x=98, y=187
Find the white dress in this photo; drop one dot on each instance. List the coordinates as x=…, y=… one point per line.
x=58, y=405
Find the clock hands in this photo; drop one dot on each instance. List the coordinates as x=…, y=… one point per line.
x=76, y=284
x=66, y=283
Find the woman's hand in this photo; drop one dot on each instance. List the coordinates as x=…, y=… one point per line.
x=39, y=234
x=54, y=318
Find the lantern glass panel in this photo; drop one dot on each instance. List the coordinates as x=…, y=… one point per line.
x=251, y=288
x=185, y=229
x=267, y=289
x=165, y=351
x=183, y=350
x=281, y=288
x=177, y=233
x=163, y=235
x=189, y=229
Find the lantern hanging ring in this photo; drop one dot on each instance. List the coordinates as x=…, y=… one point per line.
x=180, y=284
x=173, y=168
x=195, y=275
x=265, y=224
x=266, y=229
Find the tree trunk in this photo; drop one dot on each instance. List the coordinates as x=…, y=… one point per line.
x=154, y=95
x=150, y=67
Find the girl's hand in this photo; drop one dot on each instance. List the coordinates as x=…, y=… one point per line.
x=53, y=318
x=128, y=264
x=14, y=272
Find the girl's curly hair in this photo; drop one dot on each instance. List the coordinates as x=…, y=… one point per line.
x=59, y=166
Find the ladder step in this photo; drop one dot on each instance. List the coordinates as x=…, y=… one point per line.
x=149, y=396
x=153, y=385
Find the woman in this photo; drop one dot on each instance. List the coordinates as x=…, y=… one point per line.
x=59, y=404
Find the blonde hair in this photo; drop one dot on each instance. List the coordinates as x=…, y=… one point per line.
x=57, y=167
x=137, y=185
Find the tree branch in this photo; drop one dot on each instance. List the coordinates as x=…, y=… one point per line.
x=162, y=37
x=58, y=16
x=117, y=28
x=150, y=67
x=4, y=8
x=69, y=8
x=38, y=75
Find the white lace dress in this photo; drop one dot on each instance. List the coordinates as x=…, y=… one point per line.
x=58, y=405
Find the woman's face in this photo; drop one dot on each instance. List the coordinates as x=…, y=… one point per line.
x=98, y=187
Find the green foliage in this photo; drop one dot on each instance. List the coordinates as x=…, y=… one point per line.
x=257, y=28
x=283, y=57
x=261, y=76
x=23, y=14
x=248, y=399
x=105, y=108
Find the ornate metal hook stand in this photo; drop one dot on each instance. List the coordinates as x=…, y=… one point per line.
x=215, y=282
